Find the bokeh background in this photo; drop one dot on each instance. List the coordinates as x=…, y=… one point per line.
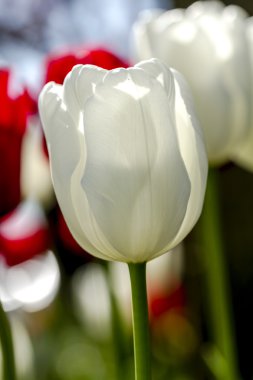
x=56, y=341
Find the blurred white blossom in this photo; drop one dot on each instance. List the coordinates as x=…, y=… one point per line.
x=207, y=43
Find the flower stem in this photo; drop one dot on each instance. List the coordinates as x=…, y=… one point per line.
x=216, y=276
x=140, y=321
x=9, y=372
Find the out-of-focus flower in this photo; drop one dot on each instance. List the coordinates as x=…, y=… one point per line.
x=14, y=112
x=35, y=175
x=207, y=43
x=92, y=300
x=31, y=285
x=164, y=281
x=132, y=177
x=244, y=153
x=29, y=273
x=23, y=233
x=58, y=66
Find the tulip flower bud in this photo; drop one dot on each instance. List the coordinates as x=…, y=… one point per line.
x=127, y=158
x=207, y=43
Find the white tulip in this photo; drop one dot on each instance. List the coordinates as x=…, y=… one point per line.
x=127, y=158
x=207, y=43
x=244, y=153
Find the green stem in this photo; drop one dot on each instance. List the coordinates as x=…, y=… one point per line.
x=140, y=321
x=9, y=372
x=217, y=282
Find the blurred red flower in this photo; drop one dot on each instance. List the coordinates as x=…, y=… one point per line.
x=14, y=112
x=166, y=301
x=24, y=233
x=23, y=228
x=57, y=66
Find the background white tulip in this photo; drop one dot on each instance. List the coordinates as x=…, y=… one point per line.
x=33, y=283
x=127, y=157
x=207, y=43
x=244, y=153
x=92, y=300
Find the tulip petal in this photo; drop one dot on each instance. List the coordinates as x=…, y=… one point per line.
x=78, y=87
x=190, y=143
x=198, y=8
x=64, y=150
x=134, y=180
x=190, y=136
x=193, y=152
x=160, y=71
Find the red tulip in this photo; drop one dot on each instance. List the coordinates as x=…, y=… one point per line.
x=173, y=299
x=24, y=233
x=14, y=112
x=57, y=66
x=23, y=229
